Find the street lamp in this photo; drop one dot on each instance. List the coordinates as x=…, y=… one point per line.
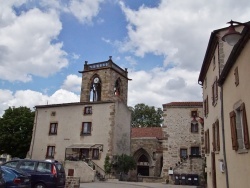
x=232, y=36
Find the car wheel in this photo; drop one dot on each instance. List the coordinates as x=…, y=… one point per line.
x=40, y=185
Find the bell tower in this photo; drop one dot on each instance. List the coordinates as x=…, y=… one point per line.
x=104, y=81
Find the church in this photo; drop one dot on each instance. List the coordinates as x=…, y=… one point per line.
x=82, y=134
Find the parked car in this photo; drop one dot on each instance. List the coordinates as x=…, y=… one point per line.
x=44, y=174
x=14, y=178
x=1, y=179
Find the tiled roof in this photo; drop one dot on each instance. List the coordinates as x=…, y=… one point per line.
x=183, y=104
x=154, y=132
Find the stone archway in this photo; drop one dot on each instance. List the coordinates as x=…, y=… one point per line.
x=143, y=161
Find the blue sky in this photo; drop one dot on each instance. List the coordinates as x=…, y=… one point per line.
x=43, y=45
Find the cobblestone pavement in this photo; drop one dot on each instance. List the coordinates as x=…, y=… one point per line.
x=122, y=184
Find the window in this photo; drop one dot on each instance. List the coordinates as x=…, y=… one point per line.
x=195, y=151
x=236, y=75
x=95, y=154
x=216, y=136
x=239, y=128
x=215, y=92
x=53, y=128
x=207, y=142
x=194, y=127
x=214, y=64
x=194, y=113
x=88, y=110
x=27, y=165
x=44, y=167
x=205, y=106
x=50, y=152
x=183, y=153
x=53, y=113
x=84, y=153
x=86, y=128
x=117, y=88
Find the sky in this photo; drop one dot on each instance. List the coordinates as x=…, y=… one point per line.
x=162, y=43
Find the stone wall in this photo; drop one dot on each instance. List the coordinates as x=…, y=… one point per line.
x=72, y=182
x=177, y=128
x=150, y=147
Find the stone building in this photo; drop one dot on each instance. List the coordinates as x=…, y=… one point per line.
x=146, y=148
x=224, y=77
x=182, y=150
x=82, y=134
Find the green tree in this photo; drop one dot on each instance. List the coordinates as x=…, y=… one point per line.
x=107, y=165
x=146, y=116
x=16, y=126
x=125, y=163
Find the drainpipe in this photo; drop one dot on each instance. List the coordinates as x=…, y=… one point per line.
x=34, y=134
x=222, y=123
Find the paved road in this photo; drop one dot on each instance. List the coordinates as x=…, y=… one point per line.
x=121, y=184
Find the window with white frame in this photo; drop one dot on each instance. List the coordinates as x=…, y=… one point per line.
x=53, y=128
x=86, y=128
x=50, y=152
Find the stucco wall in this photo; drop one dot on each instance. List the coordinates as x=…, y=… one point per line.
x=238, y=163
x=81, y=170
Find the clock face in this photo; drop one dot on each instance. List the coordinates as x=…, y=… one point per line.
x=96, y=80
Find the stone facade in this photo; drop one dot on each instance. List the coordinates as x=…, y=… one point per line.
x=109, y=75
x=183, y=151
x=146, y=148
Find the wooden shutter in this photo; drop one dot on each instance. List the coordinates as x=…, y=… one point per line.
x=217, y=136
x=236, y=74
x=213, y=96
x=216, y=88
x=208, y=146
x=233, y=130
x=214, y=142
x=207, y=105
x=245, y=126
x=213, y=165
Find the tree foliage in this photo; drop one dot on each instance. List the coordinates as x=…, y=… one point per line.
x=125, y=163
x=146, y=116
x=16, y=126
x=107, y=165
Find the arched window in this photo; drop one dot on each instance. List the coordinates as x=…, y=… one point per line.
x=143, y=158
x=95, y=89
x=117, y=88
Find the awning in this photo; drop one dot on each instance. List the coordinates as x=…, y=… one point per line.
x=85, y=146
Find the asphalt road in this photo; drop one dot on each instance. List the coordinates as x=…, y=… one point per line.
x=122, y=184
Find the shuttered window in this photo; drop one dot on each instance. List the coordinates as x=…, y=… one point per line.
x=233, y=130
x=207, y=142
x=245, y=126
x=239, y=128
x=236, y=75
x=217, y=130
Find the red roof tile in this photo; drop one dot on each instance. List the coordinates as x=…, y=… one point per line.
x=154, y=132
x=183, y=104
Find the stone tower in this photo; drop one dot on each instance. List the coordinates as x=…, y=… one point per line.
x=104, y=81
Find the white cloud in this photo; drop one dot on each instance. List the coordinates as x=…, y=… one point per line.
x=179, y=29
x=28, y=44
x=72, y=83
x=31, y=98
x=84, y=10
x=160, y=86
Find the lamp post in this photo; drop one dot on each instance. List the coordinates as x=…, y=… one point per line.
x=232, y=36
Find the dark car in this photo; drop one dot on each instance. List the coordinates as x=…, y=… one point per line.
x=15, y=178
x=1, y=179
x=44, y=174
